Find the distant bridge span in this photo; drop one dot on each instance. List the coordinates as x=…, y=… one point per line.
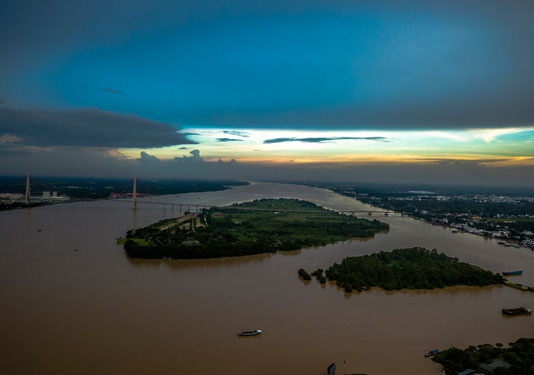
x=196, y=207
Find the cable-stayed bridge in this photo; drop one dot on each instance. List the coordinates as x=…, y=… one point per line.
x=197, y=207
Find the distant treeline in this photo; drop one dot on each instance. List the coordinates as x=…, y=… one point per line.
x=519, y=354
x=262, y=226
x=98, y=188
x=429, y=207
x=413, y=268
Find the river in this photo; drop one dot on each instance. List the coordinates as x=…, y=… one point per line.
x=73, y=303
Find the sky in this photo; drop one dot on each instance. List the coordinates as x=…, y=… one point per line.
x=351, y=91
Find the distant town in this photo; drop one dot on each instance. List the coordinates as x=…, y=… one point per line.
x=507, y=216
x=29, y=191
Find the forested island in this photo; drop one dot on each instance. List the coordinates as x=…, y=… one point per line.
x=516, y=359
x=260, y=226
x=413, y=268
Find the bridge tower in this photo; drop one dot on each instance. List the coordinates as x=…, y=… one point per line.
x=134, y=196
x=27, y=199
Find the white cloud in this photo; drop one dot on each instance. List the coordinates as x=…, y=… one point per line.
x=7, y=138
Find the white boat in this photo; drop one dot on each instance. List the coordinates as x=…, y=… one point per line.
x=256, y=332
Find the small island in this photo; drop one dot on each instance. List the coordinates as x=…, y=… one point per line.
x=260, y=226
x=516, y=359
x=413, y=268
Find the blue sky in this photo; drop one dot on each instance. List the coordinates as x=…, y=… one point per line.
x=356, y=65
x=432, y=77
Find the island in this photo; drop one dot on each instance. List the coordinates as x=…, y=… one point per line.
x=413, y=268
x=260, y=226
x=516, y=359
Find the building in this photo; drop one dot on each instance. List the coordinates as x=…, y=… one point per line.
x=11, y=197
x=490, y=368
x=469, y=371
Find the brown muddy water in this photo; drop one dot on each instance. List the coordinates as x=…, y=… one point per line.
x=94, y=311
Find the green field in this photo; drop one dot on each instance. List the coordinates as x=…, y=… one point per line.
x=260, y=226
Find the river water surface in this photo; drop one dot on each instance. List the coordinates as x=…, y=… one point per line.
x=73, y=303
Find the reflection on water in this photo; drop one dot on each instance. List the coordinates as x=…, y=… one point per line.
x=96, y=311
x=202, y=263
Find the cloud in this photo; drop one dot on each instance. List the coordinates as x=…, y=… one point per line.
x=9, y=138
x=145, y=157
x=87, y=128
x=450, y=162
x=322, y=139
x=237, y=133
x=91, y=162
x=229, y=140
x=195, y=154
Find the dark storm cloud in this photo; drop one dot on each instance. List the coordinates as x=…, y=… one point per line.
x=323, y=139
x=86, y=128
x=229, y=140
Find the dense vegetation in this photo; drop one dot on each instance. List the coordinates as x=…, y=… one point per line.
x=261, y=226
x=414, y=268
x=305, y=275
x=519, y=354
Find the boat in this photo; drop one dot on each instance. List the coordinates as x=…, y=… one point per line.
x=518, y=311
x=512, y=273
x=432, y=353
x=521, y=286
x=256, y=332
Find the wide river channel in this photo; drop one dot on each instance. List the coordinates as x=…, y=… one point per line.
x=73, y=303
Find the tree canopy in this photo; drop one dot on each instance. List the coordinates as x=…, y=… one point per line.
x=261, y=226
x=412, y=268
